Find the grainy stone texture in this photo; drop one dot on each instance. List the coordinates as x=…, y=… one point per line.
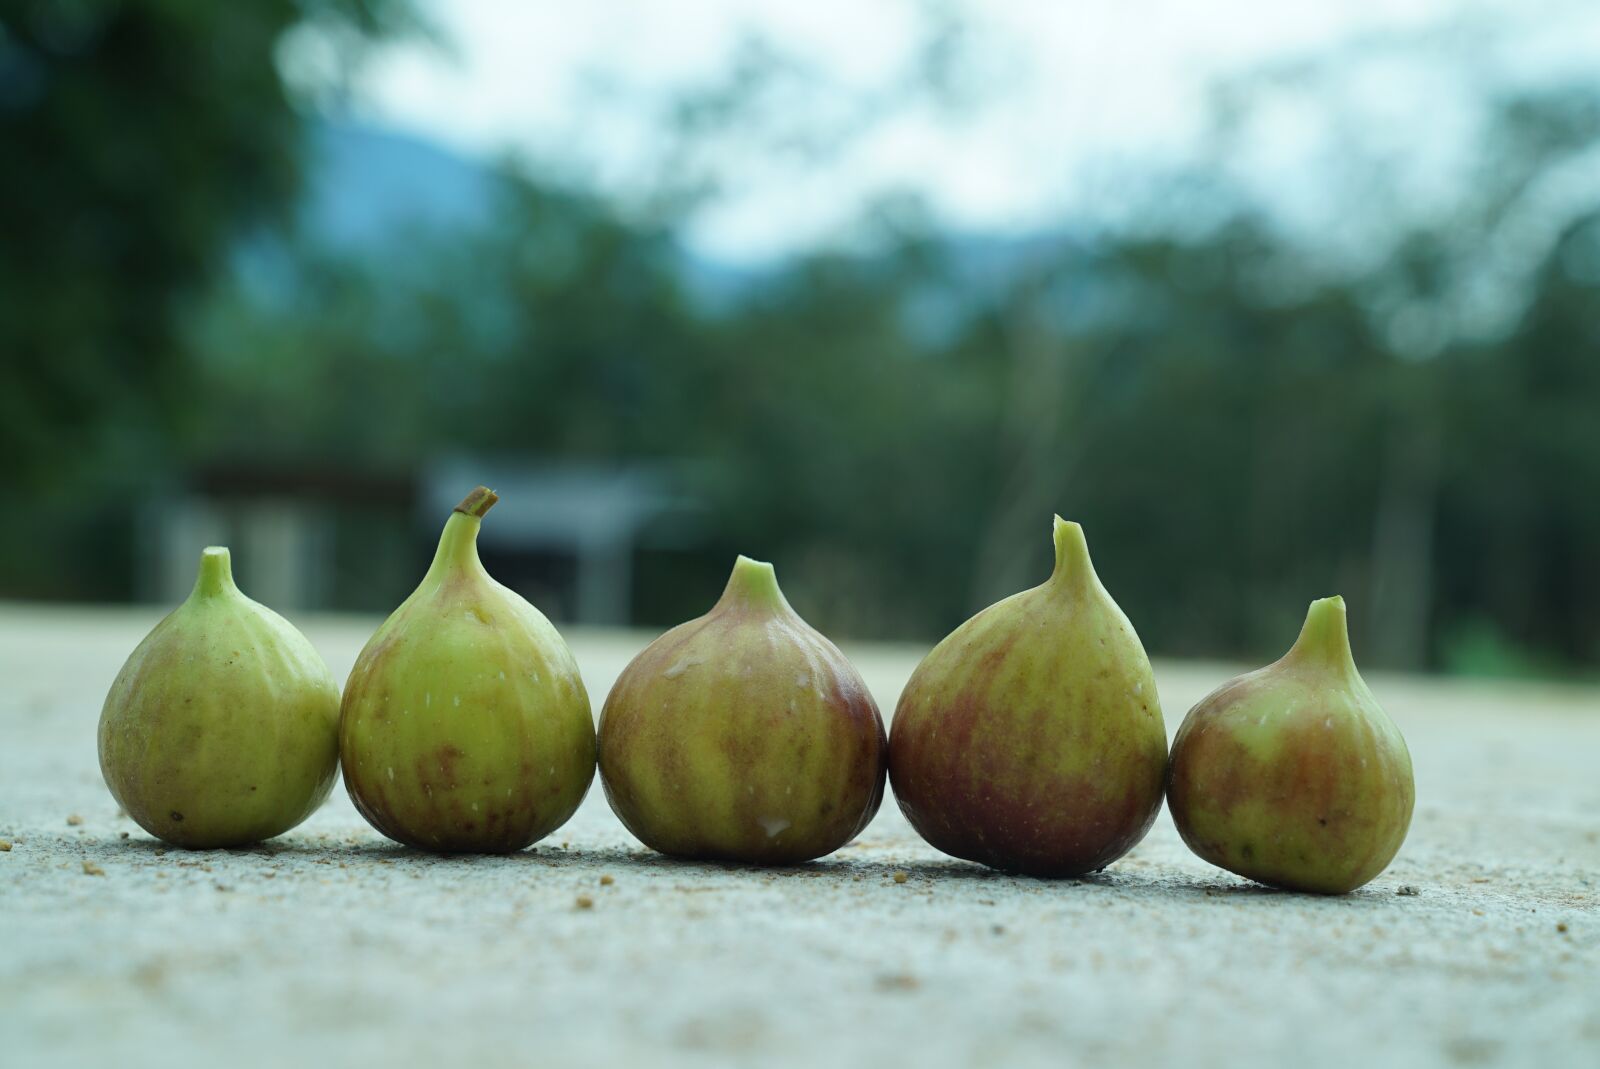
x=332, y=946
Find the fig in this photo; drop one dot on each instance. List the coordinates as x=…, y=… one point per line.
x=1293, y=775
x=222, y=727
x=1030, y=739
x=465, y=726
x=743, y=735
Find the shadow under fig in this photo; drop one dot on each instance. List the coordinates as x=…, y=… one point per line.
x=939, y=872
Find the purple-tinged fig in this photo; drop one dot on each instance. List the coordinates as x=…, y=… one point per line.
x=465, y=726
x=1293, y=775
x=222, y=727
x=1031, y=738
x=743, y=735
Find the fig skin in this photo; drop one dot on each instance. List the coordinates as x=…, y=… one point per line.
x=465, y=726
x=743, y=735
x=1030, y=739
x=222, y=727
x=1293, y=775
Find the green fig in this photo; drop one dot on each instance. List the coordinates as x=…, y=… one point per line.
x=1031, y=739
x=1293, y=775
x=465, y=726
x=743, y=735
x=222, y=727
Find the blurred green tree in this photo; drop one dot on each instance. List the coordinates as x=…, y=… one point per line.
x=141, y=138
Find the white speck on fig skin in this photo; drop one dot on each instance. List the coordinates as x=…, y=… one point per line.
x=680, y=667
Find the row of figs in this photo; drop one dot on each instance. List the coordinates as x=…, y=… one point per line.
x=1030, y=739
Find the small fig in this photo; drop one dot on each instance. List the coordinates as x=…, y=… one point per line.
x=222, y=727
x=743, y=735
x=1293, y=775
x=1031, y=738
x=465, y=726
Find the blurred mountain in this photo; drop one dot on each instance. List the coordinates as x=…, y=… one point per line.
x=367, y=186
x=371, y=190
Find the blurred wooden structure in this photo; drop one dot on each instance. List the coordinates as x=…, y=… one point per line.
x=280, y=524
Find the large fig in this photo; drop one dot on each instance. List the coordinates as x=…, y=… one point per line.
x=743, y=735
x=1293, y=775
x=222, y=727
x=465, y=725
x=1031, y=738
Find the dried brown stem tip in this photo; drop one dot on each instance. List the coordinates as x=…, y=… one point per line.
x=478, y=502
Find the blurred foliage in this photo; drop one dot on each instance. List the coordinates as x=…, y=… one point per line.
x=1239, y=429
x=140, y=139
x=897, y=437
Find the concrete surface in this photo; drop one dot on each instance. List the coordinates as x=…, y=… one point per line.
x=332, y=946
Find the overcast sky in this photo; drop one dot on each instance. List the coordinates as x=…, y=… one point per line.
x=1055, y=90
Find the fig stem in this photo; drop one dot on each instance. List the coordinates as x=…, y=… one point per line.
x=1073, y=567
x=216, y=573
x=1325, y=636
x=753, y=583
x=458, y=542
x=478, y=502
